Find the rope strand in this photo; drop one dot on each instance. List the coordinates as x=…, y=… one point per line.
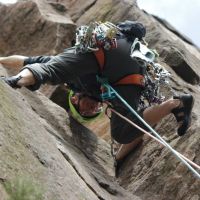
x=153, y=131
x=149, y=134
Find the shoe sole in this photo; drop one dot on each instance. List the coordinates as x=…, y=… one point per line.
x=189, y=101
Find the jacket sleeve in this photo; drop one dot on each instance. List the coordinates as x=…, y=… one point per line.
x=63, y=68
x=37, y=59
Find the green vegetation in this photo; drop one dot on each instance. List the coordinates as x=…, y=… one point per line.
x=23, y=189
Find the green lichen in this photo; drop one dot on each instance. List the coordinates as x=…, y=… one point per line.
x=22, y=188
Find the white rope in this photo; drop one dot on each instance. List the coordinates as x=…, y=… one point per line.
x=149, y=134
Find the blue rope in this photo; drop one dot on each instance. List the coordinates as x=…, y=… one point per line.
x=151, y=129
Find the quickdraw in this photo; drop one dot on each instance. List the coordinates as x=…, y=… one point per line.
x=155, y=78
x=96, y=35
x=155, y=75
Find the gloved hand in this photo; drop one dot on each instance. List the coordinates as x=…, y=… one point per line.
x=11, y=81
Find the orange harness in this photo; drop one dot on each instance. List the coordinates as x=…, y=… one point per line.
x=134, y=79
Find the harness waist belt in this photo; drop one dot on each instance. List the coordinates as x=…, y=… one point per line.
x=134, y=79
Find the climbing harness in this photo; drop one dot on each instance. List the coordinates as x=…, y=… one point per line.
x=153, y=131
x=153, y=77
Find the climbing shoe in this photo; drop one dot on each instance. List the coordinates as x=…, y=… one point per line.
x=183, y=112
x=11, y=81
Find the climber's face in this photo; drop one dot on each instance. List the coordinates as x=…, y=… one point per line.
x=85, y=105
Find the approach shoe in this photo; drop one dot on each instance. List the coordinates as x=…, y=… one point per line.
x=11, y=81
x=183, y=112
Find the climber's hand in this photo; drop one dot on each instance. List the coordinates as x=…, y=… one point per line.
x=12, y=81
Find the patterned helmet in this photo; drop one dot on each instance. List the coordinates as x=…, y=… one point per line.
x=76, y=115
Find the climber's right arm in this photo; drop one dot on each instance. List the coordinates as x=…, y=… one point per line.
x=62, y=68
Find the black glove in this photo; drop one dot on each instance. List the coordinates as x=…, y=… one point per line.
x=11, y=81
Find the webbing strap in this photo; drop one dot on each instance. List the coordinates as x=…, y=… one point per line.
x=134, y=79
x=100, y=56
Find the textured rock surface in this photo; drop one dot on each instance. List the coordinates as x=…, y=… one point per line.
x=63, y=155
x=66, y=159
x=37, y=29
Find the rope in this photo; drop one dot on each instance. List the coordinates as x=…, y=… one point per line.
x=149, y=134
x=153, y=131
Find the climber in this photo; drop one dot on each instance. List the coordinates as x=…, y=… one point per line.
x=109, y=58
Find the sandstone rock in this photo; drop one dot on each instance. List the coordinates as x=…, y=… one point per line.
x=78, y=157
x=47, y=31
x=38, y=143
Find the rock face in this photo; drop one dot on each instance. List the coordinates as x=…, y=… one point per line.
x=47, y=31
x=39, y=140
x=61, y=155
